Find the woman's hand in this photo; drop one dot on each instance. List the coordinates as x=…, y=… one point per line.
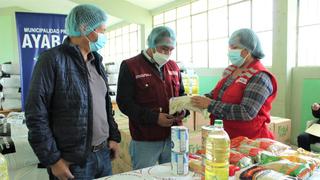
x=200, y=101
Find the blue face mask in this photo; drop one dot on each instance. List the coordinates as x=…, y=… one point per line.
x=235, y=57
x=99, y=43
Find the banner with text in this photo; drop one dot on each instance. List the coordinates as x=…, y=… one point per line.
x=36, y=33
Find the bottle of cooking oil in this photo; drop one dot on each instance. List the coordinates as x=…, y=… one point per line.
x=217, y=153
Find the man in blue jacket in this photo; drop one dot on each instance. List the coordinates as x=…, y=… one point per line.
x=68, y=110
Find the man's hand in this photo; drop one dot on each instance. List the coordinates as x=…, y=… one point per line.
x=165, y=120
x=114, y=149
x=315, y=106
x=200, y=102
x=61, y=170
x=179, y=116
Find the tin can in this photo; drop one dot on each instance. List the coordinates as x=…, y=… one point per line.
x=179, y=139
x=179, y=163
x=205, y=130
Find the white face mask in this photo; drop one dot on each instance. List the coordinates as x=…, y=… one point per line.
x=161, y=59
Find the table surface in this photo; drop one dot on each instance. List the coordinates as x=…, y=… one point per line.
x=163, y=172
x=157, y=172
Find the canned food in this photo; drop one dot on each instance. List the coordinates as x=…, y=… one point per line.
x=205, y=130
x=179, y=163
x=179, y=139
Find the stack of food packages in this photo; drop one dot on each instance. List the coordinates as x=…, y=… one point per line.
x=264, y=158
x=179, y=150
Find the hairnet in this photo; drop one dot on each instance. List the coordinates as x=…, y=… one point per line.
x=246, y=38
x=159, y=36
x=83, y=19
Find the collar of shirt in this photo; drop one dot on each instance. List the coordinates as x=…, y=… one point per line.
x=90, y=58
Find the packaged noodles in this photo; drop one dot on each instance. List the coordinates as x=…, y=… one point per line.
x=300, y=170
x=270, y=145
x=308, y=153
x=295, y=156
x=261, y=173
x=253, y=152
x=239, y=159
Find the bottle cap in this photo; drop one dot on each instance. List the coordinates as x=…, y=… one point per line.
x=218, y=123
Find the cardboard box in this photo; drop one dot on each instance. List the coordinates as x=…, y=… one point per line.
x=124, y=146
x=201, y=120
x=6, y=112
x=195, y=141
x=281, y=128
x=120, y=166
x=189, y=121
x=123, y=125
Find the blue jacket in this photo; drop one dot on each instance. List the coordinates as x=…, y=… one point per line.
x=59, y=106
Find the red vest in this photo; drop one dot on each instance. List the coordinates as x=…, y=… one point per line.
x=257, y=127
x=152, y=92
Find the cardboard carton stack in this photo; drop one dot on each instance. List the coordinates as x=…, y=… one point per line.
x=201, y=120
x=10, y=80
x=112, y=70
x=123, y=164
x=281, y=128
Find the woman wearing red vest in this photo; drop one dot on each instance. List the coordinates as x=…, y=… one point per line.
x=243, y=97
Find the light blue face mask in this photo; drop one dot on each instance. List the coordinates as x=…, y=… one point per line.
x=235, y=57
x=99, y=43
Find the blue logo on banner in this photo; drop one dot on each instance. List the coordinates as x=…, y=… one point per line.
x=36, y=33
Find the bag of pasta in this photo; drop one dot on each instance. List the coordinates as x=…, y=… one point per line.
x=253, y=152
x=270, y=145
x=300, y=170
x=240, y=140
x=308, y=153
x=295, y=156
x=239, y=159
x=261, y=173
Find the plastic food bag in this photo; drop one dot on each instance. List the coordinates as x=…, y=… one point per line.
x=196, y=164
x=235, y=142
x=287, y=167
x=308, y=153
x=295, y=156
x=261, y=173
x=177, y=104
x=18, y=152
x=253, y=152
x=270, y=145
x=239, y=159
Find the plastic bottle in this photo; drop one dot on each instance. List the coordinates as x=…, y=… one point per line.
x=195, y=83
x=217, y=153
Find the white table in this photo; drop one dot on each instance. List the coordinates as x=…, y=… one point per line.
x=158, y=172
x=163, y=172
